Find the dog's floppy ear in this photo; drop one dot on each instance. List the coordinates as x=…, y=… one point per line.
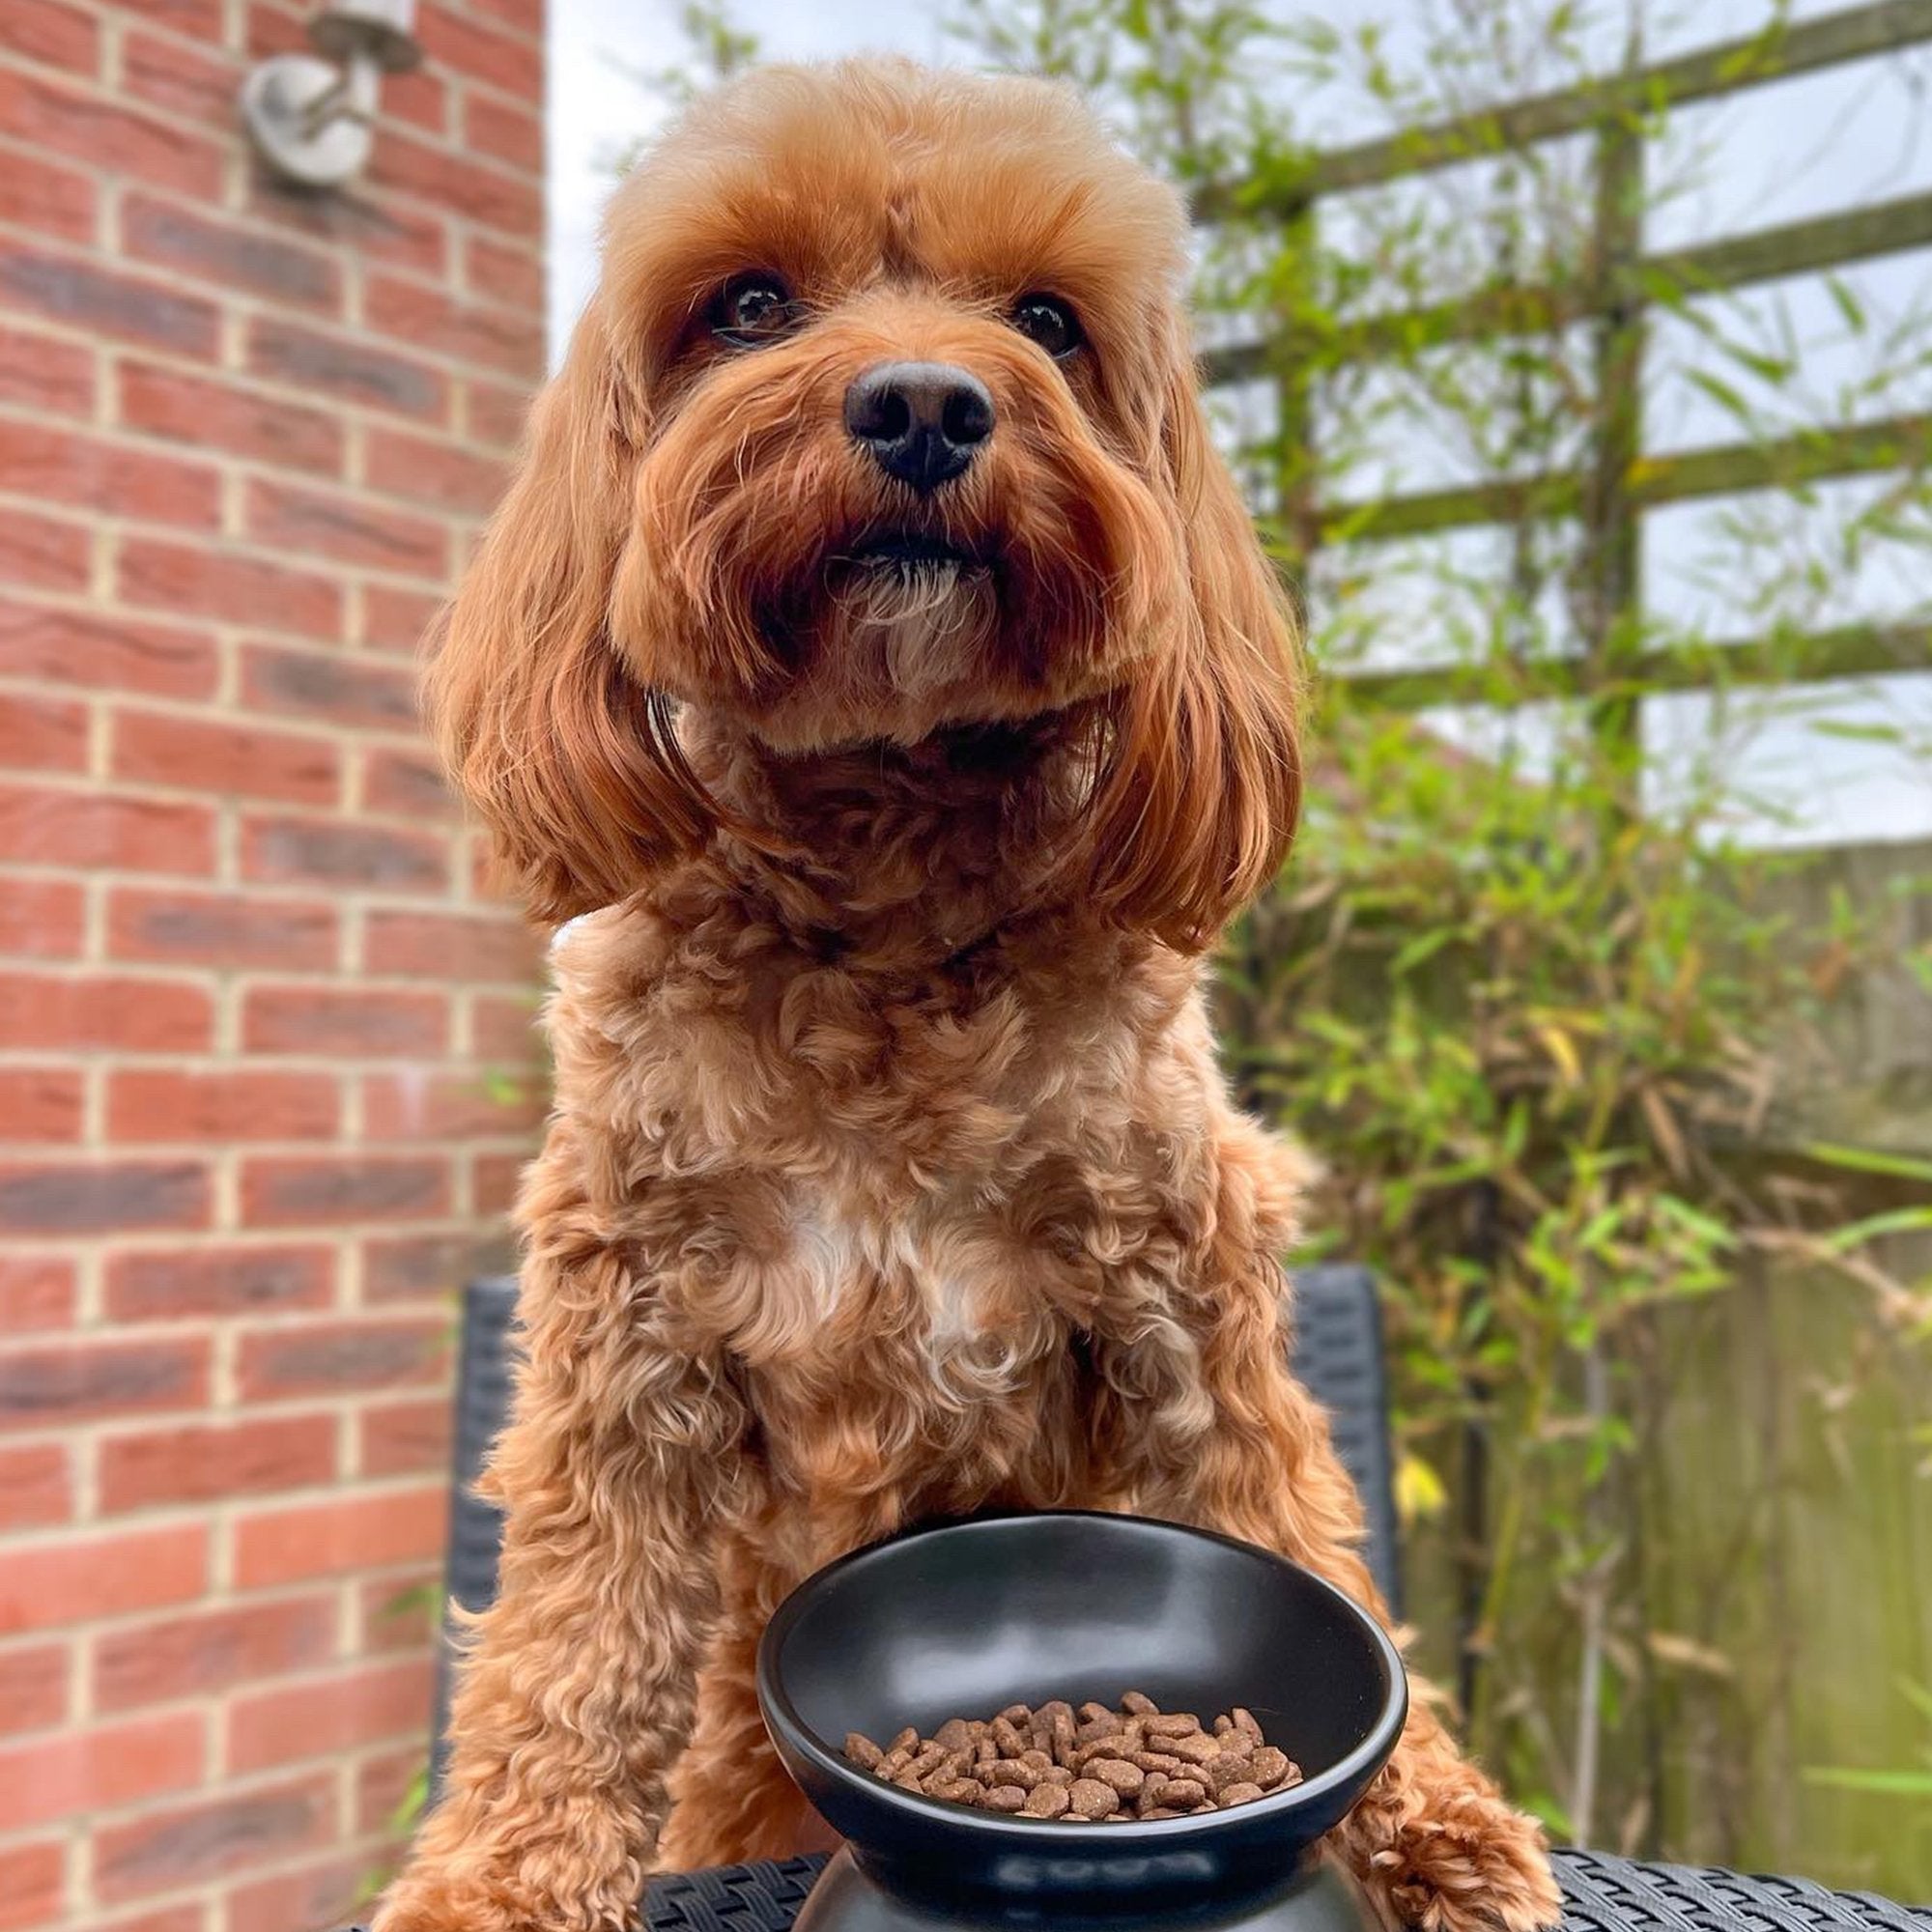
x=571, y=764
x=1201, y=778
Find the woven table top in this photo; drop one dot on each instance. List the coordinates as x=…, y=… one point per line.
x=1601, y=1894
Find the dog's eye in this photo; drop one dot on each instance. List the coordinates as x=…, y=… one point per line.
x=752, y=309
x=1047, y=321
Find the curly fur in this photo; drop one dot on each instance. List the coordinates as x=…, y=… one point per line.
x=891, y=1172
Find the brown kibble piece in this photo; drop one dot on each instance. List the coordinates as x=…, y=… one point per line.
x=1160, y=1811
x=1091, y=1799
x=1004, y=1797
x=1047, y=1800
x=1241, y=1794
x=892, y=1764
x=1244, y=1720
x=908, y=1741
x=1268, y=1766
x=1011, y=1738
x=1173, y=1725
x=862, y=1752
x=1225, y=1770
x=955, y=1734
x=1197, y=1748
x=960, y=1790
x=1138, y=1704
x=1184, y=1792
x=1014, y=1713
x=1118, y=1773
x=1160, y=1761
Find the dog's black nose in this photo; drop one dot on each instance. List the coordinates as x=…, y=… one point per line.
x=922, y=421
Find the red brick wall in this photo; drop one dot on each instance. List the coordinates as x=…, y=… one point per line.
x=265, y=1062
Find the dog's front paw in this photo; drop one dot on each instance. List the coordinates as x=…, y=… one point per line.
x=1469, y=1864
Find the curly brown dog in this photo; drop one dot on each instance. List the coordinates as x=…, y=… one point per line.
x=875, y=651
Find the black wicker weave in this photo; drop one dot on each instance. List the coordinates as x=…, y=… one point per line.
x=1601, y=1894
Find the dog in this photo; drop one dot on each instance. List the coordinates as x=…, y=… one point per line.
x=873, y=661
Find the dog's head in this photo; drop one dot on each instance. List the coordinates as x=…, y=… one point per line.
x=881, y=422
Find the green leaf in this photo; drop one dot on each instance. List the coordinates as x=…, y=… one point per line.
x=1879, y=1783
x=1868, y=1160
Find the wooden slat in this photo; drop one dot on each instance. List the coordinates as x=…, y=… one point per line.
x=1851, y=651
x=1809, y=457
x=1804, y=48
x=1740, y=261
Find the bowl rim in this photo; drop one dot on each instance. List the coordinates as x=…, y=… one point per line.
x=1044, y=1833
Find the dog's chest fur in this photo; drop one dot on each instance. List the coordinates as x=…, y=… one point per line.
x=908, y=1202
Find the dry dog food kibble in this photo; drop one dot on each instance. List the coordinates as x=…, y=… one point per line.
x=1097, y=1765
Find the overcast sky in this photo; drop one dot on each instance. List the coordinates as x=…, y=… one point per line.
x=1797, y=149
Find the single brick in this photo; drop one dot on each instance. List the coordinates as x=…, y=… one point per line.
x=32, y=1878
x=220, y=754
x=495, y=415
x=350, y=370
x=37, y=1292
x=47, y=827
x=44, y=553
x=494, y=1181
x=319, y=1892
x=325, y=1191
x=294, y=1541
x=42, y=918
x=406, y=784
x=186, y=1284
x=397, y=620
x=207, y=1462
x=64, y=1382
x=40, y=1105
x=56, y=33
x=220, y=929
x=191, y=1844
x=344, y=528
x=506, y=61
x=222, y=1104
x=227, y=587
x=33, y=1688
x=507, y=133
x=421, y=1267
x=45, y=371
x=403, y=1438
x=326, y=684
x=36, y=1489
x=83, y=296
x=40, y=111
x=170, y=72
x=135, y=1015
x=330, y=1717
x=109, y=653
x=216, y=412
x=475, y=1104
x=46, y=1585
x=101, y=1768
x=425, y=469
x=94, y=1198
x=494, y=197
x=207, y=1652
x=42, y=734
x=225, y=251
x=505, y=339
x=356, y=1023
x=43, y=194
x=453, y=946
x=342, y=852
x=341, y=1358
x=117, y=479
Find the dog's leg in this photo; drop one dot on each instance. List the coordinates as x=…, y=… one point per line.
x=731, y=1798
x=1225, y=1437
x=577, y=1693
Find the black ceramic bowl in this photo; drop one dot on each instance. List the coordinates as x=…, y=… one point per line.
x=964, y=1619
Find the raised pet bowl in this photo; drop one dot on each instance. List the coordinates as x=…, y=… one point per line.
x=965, y=1619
